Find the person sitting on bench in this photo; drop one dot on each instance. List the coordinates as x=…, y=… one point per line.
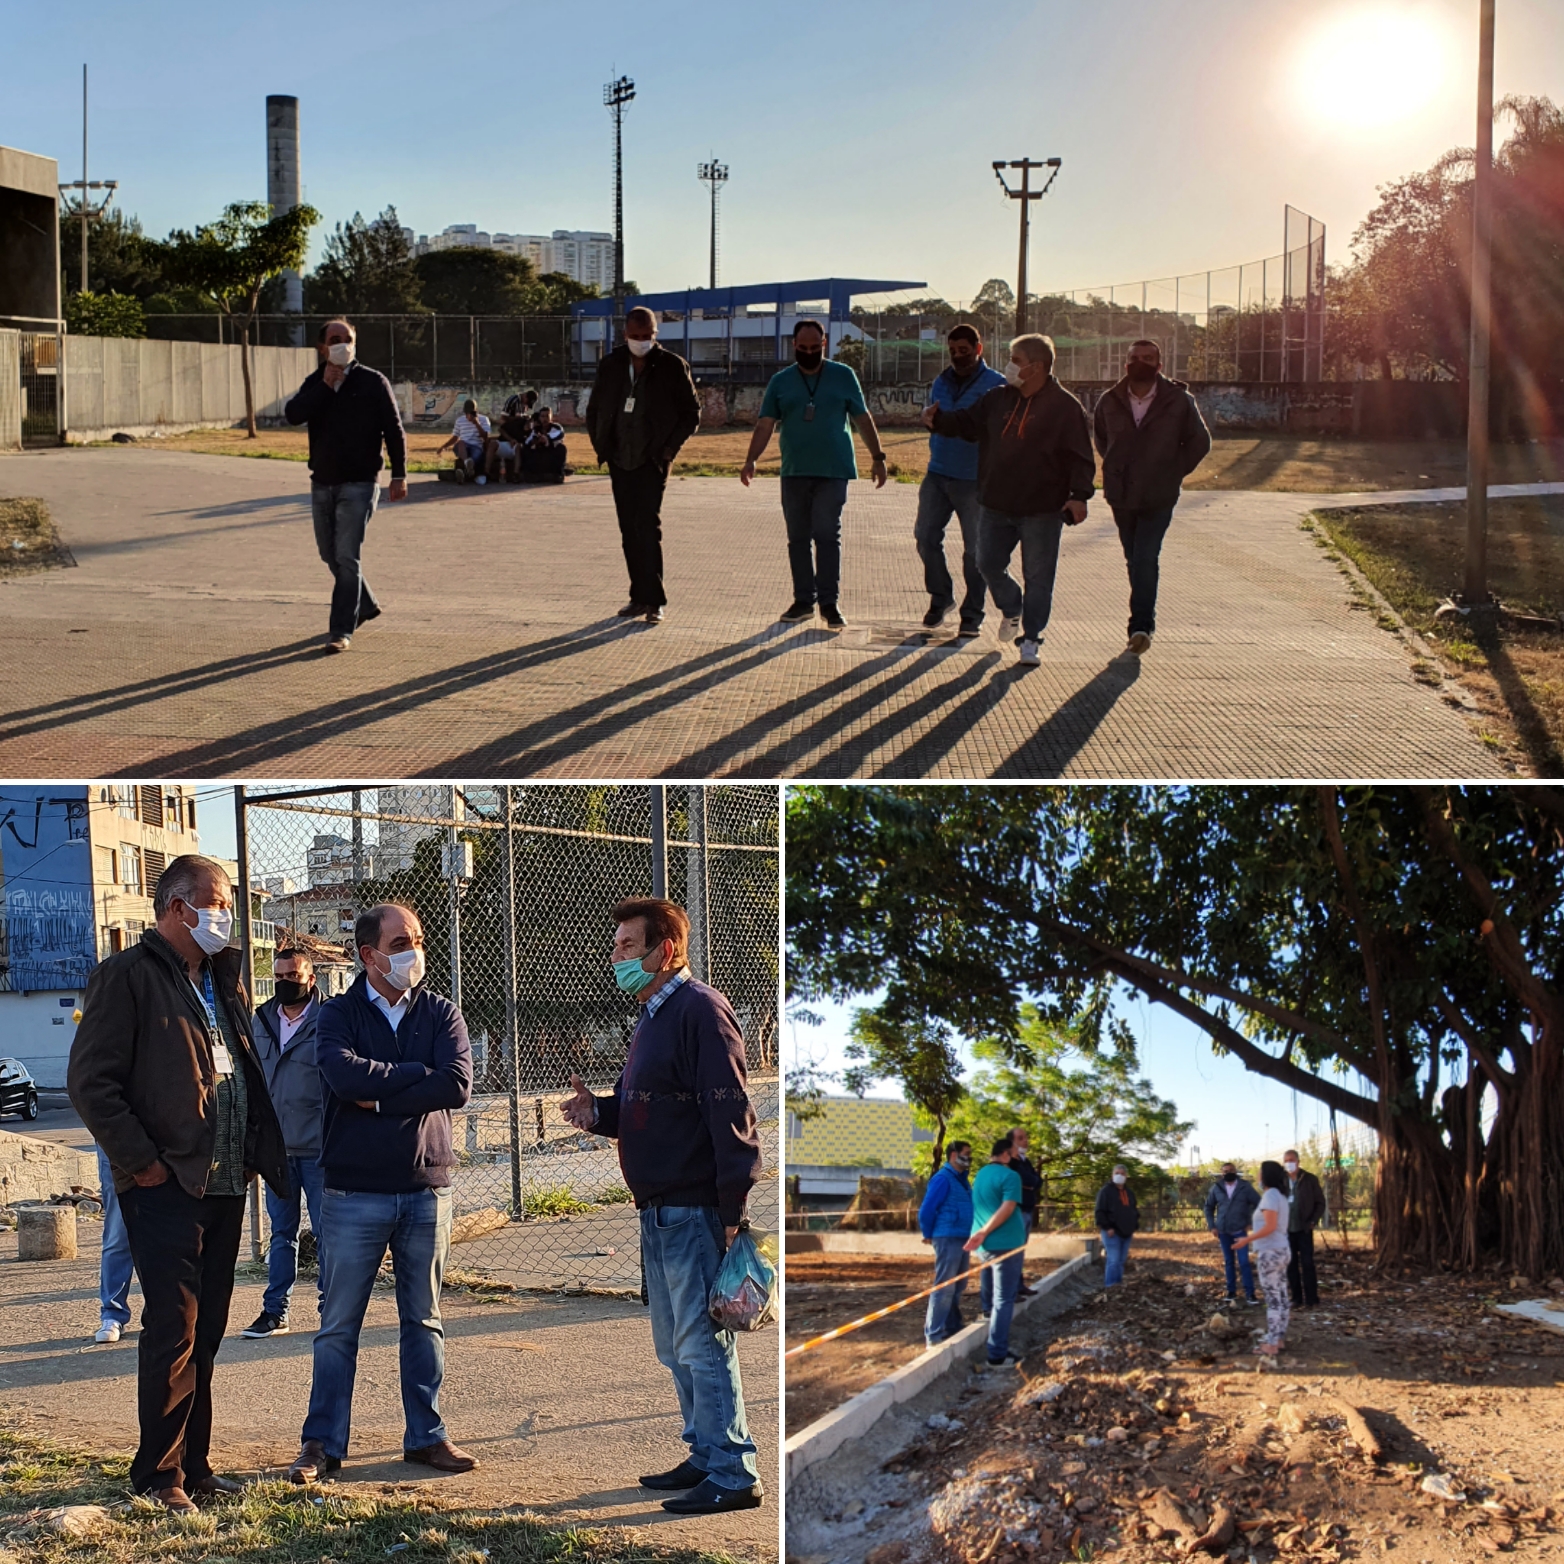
x=543, y=456
x=468, y=436
x=504, y=451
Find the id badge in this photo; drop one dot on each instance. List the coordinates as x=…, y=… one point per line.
x=630, y=403
x=222, y=1060
x=809, y=412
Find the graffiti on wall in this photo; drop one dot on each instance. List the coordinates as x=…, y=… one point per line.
x=49, y=939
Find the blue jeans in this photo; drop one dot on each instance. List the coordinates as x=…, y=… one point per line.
x=342, y=512
x=943, y=1318
x=986, y=1280
x=467, y=451
x=1039, y=539
x=114, y=1264
x=939, y=498
x=282, y=1258
x=812, y=508
x=1116, y=1250
x=356, y=1228
x=1140, y=535
x=1007, y=1288
x=681, y=1248
x=1244, y=1267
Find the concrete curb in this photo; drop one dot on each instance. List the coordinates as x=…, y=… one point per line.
x=1039, y=1246
x=856, y=1417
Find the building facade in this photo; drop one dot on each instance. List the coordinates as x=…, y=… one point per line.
x=583, y=255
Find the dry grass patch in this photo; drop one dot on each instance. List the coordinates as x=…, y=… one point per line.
x=28, y=540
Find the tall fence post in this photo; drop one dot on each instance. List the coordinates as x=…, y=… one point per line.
x=658, y=798
x=697, y=894
x=512, y=1043
x=453, y=866
x=246, y=974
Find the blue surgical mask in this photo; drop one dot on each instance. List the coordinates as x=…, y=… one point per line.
x=631, y=976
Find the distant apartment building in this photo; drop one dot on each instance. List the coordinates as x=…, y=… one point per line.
x=582, y=255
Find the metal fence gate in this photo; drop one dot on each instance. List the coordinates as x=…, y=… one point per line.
x=513, y=885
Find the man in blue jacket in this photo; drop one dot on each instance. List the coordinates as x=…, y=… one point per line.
x=950, y=487
x=394, y=1060
x=690, y=1156
x=945, y=1220
x=1230, y=1207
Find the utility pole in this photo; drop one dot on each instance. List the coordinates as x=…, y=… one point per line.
x=110, y=185
x=1025, y=195
x=1475, y=596
x=714, y=174
x=616, y=95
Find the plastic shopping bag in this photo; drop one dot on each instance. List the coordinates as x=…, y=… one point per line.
x=744, y=1296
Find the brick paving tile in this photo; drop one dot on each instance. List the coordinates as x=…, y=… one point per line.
x=188, y=642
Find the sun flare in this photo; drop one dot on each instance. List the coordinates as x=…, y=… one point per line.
x=1369, y=66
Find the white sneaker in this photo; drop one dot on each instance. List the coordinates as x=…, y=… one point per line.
x=1009, y=628
x=482, y=479
x=1140, y=643
x=1029, y=657
x=108, y=1331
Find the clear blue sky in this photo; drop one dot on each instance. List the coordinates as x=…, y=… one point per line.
x=859, y=135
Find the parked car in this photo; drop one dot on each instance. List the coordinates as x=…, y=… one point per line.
x=18, y=1090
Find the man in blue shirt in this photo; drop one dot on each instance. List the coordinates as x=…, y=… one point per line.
x=816, y=402
x=945, y=1220
x=950, y=486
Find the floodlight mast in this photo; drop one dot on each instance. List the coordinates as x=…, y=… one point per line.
x=714, y=174
x=616, y=95
x=82, y=184
x=1025, y=195
x=1475, y=596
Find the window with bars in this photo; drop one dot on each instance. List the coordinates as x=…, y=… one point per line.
x=151, y=805
x=173, y=815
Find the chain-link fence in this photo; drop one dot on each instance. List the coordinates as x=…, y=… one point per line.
x=513, y=886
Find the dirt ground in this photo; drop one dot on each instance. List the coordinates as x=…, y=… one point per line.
x=1414, y=554
x=1282, y=463
x=1134, y=1430
x=827, y=1290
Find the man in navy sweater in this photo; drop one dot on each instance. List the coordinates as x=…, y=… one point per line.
x=394, y=1060
x=690, y=1156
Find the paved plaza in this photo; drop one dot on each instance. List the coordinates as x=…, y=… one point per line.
x=188, y=641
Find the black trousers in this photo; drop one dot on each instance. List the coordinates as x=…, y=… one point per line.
x=184, y=1249
x=638, y=502
x=1302, y=1282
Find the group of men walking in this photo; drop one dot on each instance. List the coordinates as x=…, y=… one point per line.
x=345, y=1103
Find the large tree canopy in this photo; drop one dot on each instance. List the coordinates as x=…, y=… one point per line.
x=1406, y=937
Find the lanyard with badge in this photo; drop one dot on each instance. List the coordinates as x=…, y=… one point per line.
x=630, y=399
x=810, y=391
x=222, y=1060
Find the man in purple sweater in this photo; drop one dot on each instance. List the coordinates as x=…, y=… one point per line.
x=690, y=1155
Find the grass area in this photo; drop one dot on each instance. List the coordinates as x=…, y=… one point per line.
x=277, y=1523
x=1414, y=555
x=28, y=540
x=554, y=1200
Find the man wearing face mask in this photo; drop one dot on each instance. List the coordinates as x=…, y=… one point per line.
x=1151, y=436
x=1305, y=1211
x=1118, y=1220
x=1036, y=473
x=285, y=1041
x=394, y=1059
x=642, y=409
x=945, y=1220
x=690, y=1156
x=1230, y=1207
x=164, y=1074
x=351, y=412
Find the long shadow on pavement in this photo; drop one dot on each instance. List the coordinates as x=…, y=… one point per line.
x=1062, y=737
x=920, y=757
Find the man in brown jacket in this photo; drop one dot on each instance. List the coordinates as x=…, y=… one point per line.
x=164, y=1074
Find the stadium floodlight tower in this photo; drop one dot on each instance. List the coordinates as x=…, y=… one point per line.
x=616, y=95
x=714, y=174
x=1025, y=195
x=109, y=186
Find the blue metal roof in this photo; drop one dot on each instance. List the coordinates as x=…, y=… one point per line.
x=721, y=301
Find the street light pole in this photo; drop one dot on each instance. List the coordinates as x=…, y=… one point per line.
x=616, y=95
x=1025, y=195
x=714, y=174
x=1475, y=595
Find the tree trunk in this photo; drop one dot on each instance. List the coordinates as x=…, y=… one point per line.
x=249, y=389
x=939, y=1145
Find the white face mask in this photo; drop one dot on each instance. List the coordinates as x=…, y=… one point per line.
x=407, y=969
x=639, y=346
x=1013, y=373
x=212, y=929
x=1292, y=1167
x=340, y=354
x=1120, y=1178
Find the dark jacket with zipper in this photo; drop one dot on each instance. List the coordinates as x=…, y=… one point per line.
x=414, y=1075
x=347, y=426
x=672, y=409
x=1306, y=1207
x=1116, y=1210
x=1231, y=1211
x=681, y=1110
x=292, y=1077
x=142, y=1073
x=1034, y=452
x=1144, y=466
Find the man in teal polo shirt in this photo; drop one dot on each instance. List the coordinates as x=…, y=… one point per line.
x=997, y=1228
x=816, y=402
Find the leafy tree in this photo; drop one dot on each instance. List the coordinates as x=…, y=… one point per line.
x=555, y=292
x=995, y=295
x=229, y=262
x=893, y=1042
x=367, y=269
x=105, y=315
x=475, y=282
x=1411, y=937
x=120, y=257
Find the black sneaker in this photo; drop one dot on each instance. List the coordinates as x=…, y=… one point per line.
x=684, y=1475
x=264, y=1325
x=796, y=612
x=937, y=615
x=709, y=1499
x=969, y=632
x=832, y=616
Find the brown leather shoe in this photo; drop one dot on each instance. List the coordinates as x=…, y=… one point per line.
x=214, y=1487
x=175, y=1500
x=443, y=1457
x=312, y=1463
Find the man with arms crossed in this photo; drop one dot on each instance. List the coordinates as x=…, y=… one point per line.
x=690, y=1156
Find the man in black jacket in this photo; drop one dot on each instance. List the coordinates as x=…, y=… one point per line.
x=1230, y=1206
x=1036, y=474
x=1118, y=1219
x=164, y=1074
x=643, y=407
x=351, y=411
x=1151, y=437
x=1305, y=1211
x=690, y=1156
x=394, y=1060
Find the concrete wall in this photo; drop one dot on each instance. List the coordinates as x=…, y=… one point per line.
x=141, y=386
x=10, y=391
x=39, y=1029
x=33, y=1169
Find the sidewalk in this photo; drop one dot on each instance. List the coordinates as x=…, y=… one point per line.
x=187, y=642
x=561, y=1399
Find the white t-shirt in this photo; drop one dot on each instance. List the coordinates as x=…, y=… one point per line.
x=1274, y=1242
x=472, y=430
